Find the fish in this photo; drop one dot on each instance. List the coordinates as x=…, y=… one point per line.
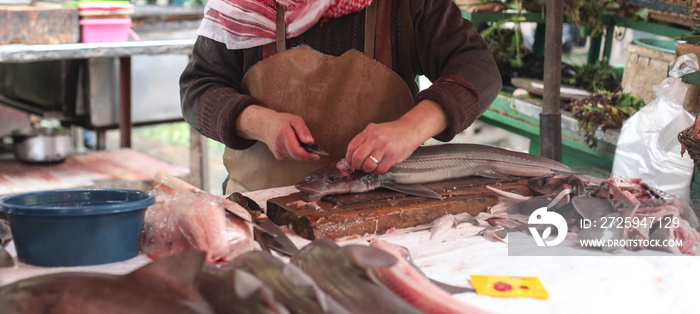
x=167, y=285
x=5, y=232
x=231, y=290
x=6, y=259
x=185, y=217
x=441, y=225
x=432, y=163
x=342, y=273
x=292, y=288
x=413, y=287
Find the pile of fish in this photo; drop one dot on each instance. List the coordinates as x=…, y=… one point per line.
x=321, y=278
x=185, y=218
x=618, y=210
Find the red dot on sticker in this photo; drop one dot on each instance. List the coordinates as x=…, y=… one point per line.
x=524, y=287
x=502, y=286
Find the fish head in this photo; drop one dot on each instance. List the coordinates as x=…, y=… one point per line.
x=327, y=181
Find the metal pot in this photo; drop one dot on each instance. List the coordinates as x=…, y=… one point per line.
x=41, y=145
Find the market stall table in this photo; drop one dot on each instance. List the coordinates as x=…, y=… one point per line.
x=19, y=53
x=590, y=281
x=123, y=168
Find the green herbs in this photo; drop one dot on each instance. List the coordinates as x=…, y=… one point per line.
x=597, y=77
x=605, y=110
x=506, y=43
x=589, y=13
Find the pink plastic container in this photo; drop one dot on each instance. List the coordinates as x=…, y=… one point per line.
x=105, y=30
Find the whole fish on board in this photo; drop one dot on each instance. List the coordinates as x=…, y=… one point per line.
x=167, y=285
x=431, y=163
x=341, y=272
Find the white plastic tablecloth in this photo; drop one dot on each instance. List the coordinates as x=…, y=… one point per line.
x=641, y=282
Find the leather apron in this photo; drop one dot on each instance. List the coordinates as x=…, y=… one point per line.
x=336, y=96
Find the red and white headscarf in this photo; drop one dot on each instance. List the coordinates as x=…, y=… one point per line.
x=248, y=23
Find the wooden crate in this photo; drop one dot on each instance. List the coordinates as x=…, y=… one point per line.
x=39, y=24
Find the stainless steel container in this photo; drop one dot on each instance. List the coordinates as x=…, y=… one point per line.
x=41, y=145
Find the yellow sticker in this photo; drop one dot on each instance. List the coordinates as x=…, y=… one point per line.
x=509, y=287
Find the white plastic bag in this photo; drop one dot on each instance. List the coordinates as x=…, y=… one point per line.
x=648, y=147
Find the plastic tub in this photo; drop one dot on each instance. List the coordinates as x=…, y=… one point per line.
x=76, y=227
x=105, y=30
x=657, y=44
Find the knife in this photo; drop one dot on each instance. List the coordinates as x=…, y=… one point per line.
x=312, y=148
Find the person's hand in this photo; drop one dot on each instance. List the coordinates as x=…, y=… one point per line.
x=380, y=146
x=280, y=131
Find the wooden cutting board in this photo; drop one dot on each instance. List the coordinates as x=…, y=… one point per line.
x=376, y=211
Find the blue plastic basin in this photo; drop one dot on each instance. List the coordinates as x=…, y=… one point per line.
x=76, y=227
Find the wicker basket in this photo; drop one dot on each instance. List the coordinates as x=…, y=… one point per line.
x=675, y=11
x=691, y=144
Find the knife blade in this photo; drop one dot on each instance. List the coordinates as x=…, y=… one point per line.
x=312, y=148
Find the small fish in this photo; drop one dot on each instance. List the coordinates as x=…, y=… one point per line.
x=431, y=164
x=494, y=233
x=441, y=225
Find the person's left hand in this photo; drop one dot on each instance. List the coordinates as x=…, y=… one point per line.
x=380, y=146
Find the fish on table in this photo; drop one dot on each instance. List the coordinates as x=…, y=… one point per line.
x=341, y=273
x=624, y=212
x=292, y=287
x=6, y=259
x=185, y=217
x=167, y=285
x=232, y=290
x=407, y=281
x=428, y=164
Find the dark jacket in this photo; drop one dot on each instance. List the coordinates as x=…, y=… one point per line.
x=414, y=37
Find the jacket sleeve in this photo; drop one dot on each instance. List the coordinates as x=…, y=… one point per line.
x=210, y=95
x=452, y=54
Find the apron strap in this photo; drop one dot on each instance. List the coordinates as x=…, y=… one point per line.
x=370, y=29
x=281, y=32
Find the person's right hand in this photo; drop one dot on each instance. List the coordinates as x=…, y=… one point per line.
x=280, y=131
